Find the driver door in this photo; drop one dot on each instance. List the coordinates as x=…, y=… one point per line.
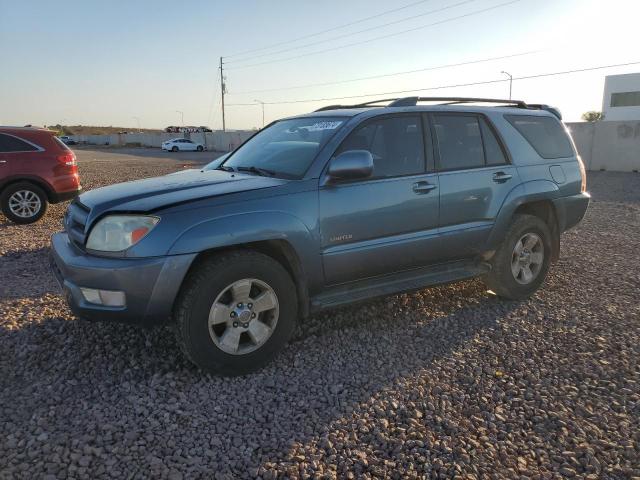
x=388, y=222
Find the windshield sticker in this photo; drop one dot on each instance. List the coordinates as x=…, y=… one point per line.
x=323, y=126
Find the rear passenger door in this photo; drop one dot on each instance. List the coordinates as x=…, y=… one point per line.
x=12, y=156
x=389, y=221
x=475, y=176
x=5, y=165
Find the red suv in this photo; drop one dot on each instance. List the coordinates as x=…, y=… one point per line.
x=36, y=169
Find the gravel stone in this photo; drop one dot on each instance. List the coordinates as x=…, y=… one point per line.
x=446, y=382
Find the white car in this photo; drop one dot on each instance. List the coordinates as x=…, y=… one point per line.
x=182, y=145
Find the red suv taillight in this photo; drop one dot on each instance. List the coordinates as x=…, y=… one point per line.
x=68, y=159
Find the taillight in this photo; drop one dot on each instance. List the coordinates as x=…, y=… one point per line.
x=68, y=159
x=583, y=174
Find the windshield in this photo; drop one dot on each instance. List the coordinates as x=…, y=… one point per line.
x=286, y=148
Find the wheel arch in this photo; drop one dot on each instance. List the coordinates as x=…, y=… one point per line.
x=545, y=210
x=279, y=250
x=535, y=198
x=38, y=182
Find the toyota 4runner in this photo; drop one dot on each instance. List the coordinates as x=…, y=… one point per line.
x=322, y=210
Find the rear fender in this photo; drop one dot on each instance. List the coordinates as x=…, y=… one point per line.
x=524, y=193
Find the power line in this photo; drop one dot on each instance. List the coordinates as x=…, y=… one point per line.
x=394, y=74
x=440, y=87
x=332, y=29
x=446, y=20
x=350, y=34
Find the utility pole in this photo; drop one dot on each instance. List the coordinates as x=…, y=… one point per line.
x=138, y=121
x=181, y=116
x=223, y=90
x=510, y=82
x=261, y=103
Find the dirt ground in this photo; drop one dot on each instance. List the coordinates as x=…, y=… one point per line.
x=442, y=383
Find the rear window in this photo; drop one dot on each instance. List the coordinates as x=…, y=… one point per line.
x=466, y=141
x=9, y=143
x=545, y=134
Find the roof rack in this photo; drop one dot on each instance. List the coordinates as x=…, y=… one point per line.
x=413, y=101
x=372, y=103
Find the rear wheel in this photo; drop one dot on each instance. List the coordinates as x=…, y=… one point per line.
x=200, y=148
x=174, y=149
x=235, y=312
x=521, y=263
x=23, y=203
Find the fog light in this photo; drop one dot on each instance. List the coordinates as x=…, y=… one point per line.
x=108, y=298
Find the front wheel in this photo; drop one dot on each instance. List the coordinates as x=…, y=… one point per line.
x=200, y=148
x=521, y=263
x=23, y=203
x=235, y=312
x=174, y=149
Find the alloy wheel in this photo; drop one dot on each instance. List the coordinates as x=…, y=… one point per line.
x=243, y=316
x=25, y=204
x=527, y=258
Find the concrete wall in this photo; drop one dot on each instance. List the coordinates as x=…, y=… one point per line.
x=214, y=141
x=613, y=146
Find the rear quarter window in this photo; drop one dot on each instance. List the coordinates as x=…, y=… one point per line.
x=546, y=135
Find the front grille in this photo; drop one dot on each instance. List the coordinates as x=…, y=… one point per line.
x=75, y=222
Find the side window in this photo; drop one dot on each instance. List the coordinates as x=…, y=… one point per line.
x=9, y=143
x=494, y=155
x=459, y=141
x=395, y=143
x=544, y=134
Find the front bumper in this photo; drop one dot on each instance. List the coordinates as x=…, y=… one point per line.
x=571, y=210
x=150, y=285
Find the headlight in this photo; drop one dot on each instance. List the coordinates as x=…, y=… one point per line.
x=115, y=233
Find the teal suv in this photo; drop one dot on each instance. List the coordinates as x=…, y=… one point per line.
x=322, y=210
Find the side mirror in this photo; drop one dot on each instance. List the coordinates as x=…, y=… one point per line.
x=351, y=165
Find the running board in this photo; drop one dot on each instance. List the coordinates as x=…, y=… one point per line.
x=415, y=279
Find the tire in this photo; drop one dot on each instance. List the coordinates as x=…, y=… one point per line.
x=508, y=277
x=209, y=343
x=174, y=149
x=200, y=148
x=12, y=199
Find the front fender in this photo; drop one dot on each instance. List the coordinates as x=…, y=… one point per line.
x=243, y=228
x=238, y=229
x=527, y=192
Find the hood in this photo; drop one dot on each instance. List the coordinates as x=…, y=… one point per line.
x=154, y=193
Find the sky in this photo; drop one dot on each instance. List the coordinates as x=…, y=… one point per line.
x=118, y=63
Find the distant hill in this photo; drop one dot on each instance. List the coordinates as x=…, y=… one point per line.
x=91, y=130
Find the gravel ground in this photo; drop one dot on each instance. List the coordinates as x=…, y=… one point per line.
x=446, y=382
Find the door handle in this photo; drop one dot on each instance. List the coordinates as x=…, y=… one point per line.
x=423, y=187
x=501, y=177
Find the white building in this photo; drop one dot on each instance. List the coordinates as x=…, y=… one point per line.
x=621, y=99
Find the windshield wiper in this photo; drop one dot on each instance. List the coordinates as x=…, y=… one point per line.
x=225, y=168
x=258, y=170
